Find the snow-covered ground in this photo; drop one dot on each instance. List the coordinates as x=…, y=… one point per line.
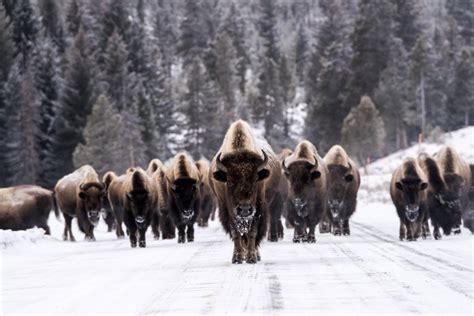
x=370, y=271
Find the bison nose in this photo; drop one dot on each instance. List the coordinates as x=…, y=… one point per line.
x=140, y=219
x=299, y=203
x=244, y=210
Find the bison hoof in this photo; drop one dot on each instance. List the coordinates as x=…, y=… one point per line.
x=311, y=239
x=156, y=237
x=142, y=244
x=457, y=231
x=437, y=236
x=337, y=232
x=252, y=259
x=181, y=240
x=273, y=238
x=190, y=239
x=297, y=239
x=346, y=232
x=259, y=257
x=133, y=244
x=237, y=259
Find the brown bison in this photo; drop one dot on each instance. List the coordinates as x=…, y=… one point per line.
x=468, y=214
x=449, y=180
x=108, y=214
x=307, y=196
x=184, y=195
x=208, y=203
x=409, y=195
x=26, y=206
x=134, y=198
x=278, y=205
x=162, y=221
x=343, y=185
x=244, y=177
x=81, y=195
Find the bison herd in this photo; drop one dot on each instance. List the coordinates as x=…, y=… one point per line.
x=252, y=188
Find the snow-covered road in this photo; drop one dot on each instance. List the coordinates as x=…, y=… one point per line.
x=368, y=272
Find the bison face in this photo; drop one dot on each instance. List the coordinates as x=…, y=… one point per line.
x=139, y=204
x=92, y=196
x=301, y=176
x=340, y=178
x=242, y=175
x=411, y=194
x=185, y=192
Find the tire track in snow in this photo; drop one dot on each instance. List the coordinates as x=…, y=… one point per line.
x=463, y=287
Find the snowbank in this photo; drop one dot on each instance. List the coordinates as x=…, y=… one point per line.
x=375, y=186
x=9, y=238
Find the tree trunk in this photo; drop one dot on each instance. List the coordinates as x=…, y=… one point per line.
x=422, y=101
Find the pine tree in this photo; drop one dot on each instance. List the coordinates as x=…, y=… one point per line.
x=52, y=23
x=74, y=106
x=73, y=18
x=116, y=72
x=407, y=25
x=48, y=84
x=463, y=13
x=21, y=159
x=461, y=99
x=146, y=117
x=287, y=87
x=25, y=28
x=394, y=96
x=301, y=55
x=326, y=93
x=131, y=140
x=363, y=131
x=370, y=45
x=102, y=147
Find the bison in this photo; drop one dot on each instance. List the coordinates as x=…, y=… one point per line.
x=277, y=207
x=449, y=180
x=134, y=198
x=307, y=197
x=81, y=195
x=468, y=214
x=244, y=178
x=184, y=195
x=162, y=221
x=26, y=206
x=108, y=214
x=207, y=198
x=409, y=195
x=343, y=185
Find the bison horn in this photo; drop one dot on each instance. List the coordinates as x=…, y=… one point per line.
x=265, y=160
x=285, y=168
x=315, y=162
x=219, y=164
x=350, y=166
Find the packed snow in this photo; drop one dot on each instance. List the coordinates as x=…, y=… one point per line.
x=370, y=271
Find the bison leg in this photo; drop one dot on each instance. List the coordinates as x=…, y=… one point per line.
x=311, y=234
x=425, y=230
x=280, y=230
x=155, y=225
x=132, y=235
x=337, y=227
x=299, y=233
x=118, y=228
x=457, y=230
x=436, y=233
x=239, y=252
x=190, y=233
x=167, y=227
x=402, y=231
x=67, y=227
x=141, y=238
x=346, y=230
x=181, y=237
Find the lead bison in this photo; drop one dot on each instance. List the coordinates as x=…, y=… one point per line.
x=244, y=177
x=80, y=194
x=307, y=196
x=184, y=195
x=409, y=195
x=207, y=198
x=343, y=185
x=449, y=180
x=26, y=206
x=134, y=198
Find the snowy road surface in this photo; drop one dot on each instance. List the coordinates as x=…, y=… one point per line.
x=368, y=272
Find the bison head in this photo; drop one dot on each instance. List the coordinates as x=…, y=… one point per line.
x=185, y=192
x=411, y=189
x=301, y=175
x=450, y=197
x=340, y=178
x=241, y=174
x=92, y=195
x=139, y=200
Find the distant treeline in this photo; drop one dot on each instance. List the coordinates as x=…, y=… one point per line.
x=114, y=83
